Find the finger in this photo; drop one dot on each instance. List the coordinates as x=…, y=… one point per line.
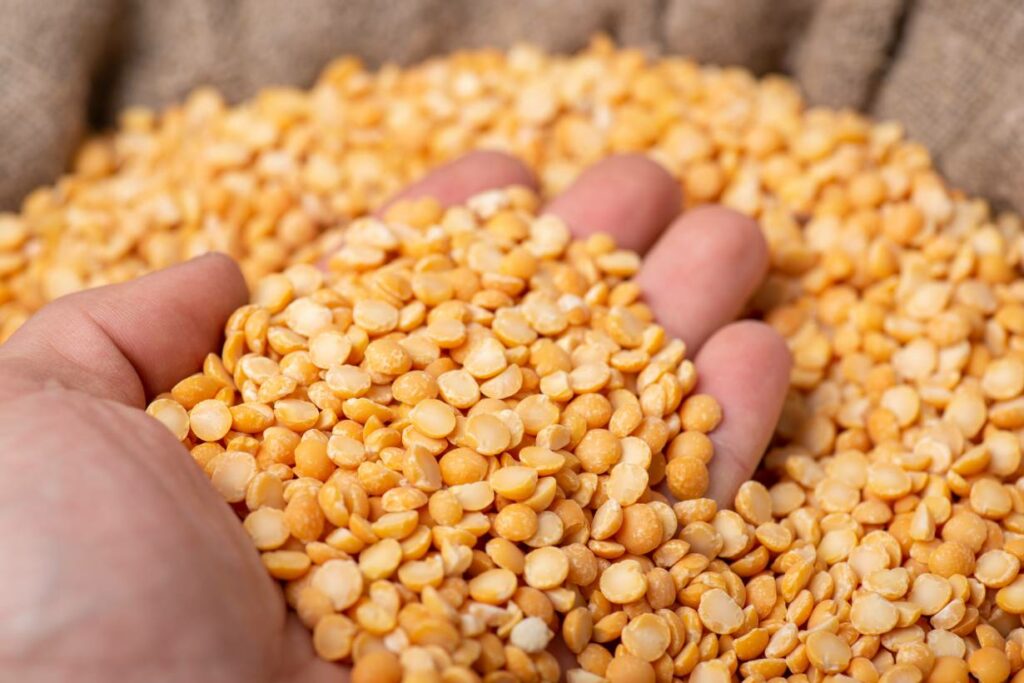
x=745, y=366
x=629, y=197
x=132, y=340
x=702, y=271
x=457, y=181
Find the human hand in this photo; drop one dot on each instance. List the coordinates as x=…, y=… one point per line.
x=121, y=560
x=698, y=272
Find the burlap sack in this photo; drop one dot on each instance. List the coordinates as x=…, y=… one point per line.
x=952, y=71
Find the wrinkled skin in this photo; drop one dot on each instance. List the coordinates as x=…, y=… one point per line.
x=120, y=562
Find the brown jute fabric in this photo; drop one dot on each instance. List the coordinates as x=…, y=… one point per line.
x=952, y=72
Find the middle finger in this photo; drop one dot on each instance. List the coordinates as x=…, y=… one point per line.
x=700, y=268
x=702, y=271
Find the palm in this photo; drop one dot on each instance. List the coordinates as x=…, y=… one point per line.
x=120, y=557
x=131, y=507
x=126, y=550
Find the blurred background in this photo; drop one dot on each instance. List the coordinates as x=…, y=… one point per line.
x=951, y=71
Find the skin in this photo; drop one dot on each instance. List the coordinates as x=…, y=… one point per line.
x=120, y=560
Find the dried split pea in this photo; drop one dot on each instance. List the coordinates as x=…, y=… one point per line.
x=333, y=637
x=516, y=522
x=700, y=413
x=828, y=652
x=433, y=418
x=172, y=415
x=377, y=666
x=487, y=434
x=627, y=668
x=623, y=582
x=719, y=612
x=647, y=637
x=989, y=665
x=687, y=477
x=494, y=586
x=546, y=568
x=210, y=420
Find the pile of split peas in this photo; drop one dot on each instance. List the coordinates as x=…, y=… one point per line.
x=445, y=448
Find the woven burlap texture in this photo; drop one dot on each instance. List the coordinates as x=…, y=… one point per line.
x=952, y=72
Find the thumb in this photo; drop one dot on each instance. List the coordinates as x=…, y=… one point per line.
x=128, y=341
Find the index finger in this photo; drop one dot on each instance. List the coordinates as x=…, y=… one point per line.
x=628, y=197
x=456, y=181
x=129, y=341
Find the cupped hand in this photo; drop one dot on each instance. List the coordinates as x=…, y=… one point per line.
x=120, y=562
